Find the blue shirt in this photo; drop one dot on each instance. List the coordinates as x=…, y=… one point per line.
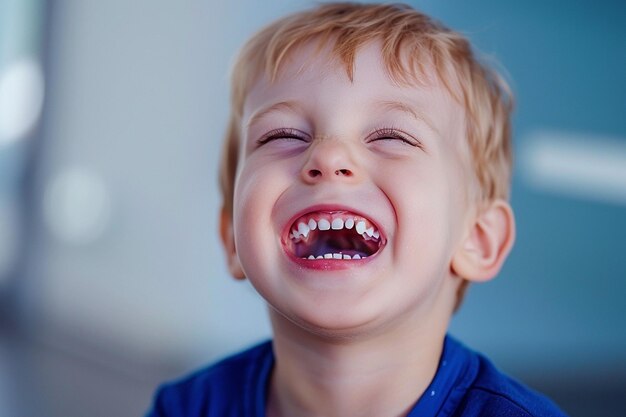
x=465, y=385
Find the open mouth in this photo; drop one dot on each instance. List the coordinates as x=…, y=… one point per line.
x=338, y=235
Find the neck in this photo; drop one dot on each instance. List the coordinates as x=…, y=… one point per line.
x=364, y=376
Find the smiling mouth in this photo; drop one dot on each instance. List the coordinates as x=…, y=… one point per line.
x=336, y=235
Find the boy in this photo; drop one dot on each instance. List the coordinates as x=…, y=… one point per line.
x=365, y=184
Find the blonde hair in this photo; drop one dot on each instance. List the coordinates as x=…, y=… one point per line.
x=410, y=41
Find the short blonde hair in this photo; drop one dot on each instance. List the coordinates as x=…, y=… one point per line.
x=409, y=40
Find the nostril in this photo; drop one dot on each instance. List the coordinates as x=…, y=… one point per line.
x=344, y=172
x=314, y=173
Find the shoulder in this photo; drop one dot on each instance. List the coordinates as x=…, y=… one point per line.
x=493, y=393
x=215, y=388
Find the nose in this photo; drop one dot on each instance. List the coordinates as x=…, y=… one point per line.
x=329, y=160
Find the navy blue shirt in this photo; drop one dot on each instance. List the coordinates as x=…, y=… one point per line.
x=466, y=385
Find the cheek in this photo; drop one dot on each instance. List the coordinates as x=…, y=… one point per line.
x=424, y=205
x=256, y=191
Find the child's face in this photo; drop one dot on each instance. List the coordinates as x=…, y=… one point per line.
x=316, y=146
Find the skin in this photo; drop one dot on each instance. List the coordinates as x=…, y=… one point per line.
x=361, y=338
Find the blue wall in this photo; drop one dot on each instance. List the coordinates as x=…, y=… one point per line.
x=562, y=289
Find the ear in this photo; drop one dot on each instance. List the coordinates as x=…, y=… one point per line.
x=487, y=244
x=228, y=241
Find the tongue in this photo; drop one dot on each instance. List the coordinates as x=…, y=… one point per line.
x=335, y=241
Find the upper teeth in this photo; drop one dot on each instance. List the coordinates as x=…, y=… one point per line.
x=323, y=224
x=303, y=229
x=335, y=221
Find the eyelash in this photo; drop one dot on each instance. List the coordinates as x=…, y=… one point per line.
x=283, y=133
x=391, y=133
x=379, y=134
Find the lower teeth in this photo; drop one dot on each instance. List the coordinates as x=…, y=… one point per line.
x=335, y=256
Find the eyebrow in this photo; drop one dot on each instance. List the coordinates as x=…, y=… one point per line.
x=295, y=107
x=405, y=108
x=291, y=106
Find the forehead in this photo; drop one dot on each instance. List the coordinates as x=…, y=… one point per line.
x=311, y=73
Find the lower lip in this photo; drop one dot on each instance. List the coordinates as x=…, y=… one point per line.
x=331, y=264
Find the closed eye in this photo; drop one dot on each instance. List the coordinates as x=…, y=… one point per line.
x=287, y=134
x=390, y=134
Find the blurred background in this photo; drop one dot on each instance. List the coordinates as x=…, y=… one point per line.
x=111, y=275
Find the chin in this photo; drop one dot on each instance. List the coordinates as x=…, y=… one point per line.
x=331, y=322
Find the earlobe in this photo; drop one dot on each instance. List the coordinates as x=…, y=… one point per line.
x=228, y=241
x=486, y=246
